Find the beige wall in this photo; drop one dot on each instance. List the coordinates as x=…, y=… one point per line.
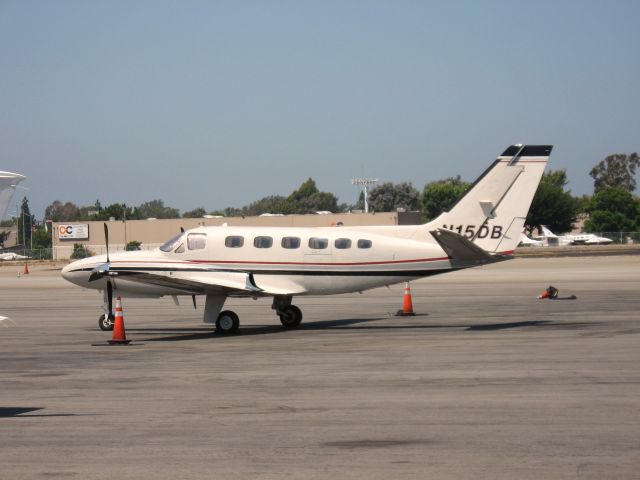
x=153, y=233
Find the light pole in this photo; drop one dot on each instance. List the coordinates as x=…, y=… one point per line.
x=365, y=182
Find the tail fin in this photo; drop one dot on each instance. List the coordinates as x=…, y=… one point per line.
x=548, y=233
x=8, y=182
x=492, y=213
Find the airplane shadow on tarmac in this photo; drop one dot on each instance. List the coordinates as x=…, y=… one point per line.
x=198, y=333
x=21, y=412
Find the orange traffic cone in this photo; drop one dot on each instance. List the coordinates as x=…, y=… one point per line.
x=407, y=305
x=26, y=269
x=119, y=337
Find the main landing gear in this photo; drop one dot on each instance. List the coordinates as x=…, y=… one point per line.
x=290, y=315
x=227, y=322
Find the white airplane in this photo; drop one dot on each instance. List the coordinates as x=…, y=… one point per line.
x=525, y=241
x=8, y=183
x=483, y=227
x=550, y=238
x=12, y=256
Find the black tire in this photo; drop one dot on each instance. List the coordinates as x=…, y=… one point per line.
x=106, y=322
x=291, y=317
x=227, y=322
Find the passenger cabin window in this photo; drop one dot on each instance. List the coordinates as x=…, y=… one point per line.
x=364, y=243
x=172, y=243
x=318, y=243
x=290, y=242
x=342, y=243
x=234, y=241
x=262, y=242
x=196, y=241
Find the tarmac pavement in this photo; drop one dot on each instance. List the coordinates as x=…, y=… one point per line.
x=484, y=382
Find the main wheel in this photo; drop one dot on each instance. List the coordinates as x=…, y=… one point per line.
x=105, y=322
x=291, y=316
x=227, y=322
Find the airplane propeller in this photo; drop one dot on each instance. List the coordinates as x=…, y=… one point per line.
x=102, y=269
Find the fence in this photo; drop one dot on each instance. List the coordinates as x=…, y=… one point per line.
x=621, y=237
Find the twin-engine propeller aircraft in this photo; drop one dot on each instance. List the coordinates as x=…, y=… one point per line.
x=483, y=227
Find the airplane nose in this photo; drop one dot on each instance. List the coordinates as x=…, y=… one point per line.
x=66, y=273
x=73, y=273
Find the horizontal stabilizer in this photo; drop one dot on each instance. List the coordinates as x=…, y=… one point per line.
x=459, y=247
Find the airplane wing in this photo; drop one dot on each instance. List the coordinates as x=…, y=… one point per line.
x=459, y=247
x=225, y=282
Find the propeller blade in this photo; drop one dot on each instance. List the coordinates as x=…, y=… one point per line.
x=106, y=239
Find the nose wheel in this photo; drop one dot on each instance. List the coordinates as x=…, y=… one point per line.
x=105, y=322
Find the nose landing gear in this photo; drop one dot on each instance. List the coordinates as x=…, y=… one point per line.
x=106, y=321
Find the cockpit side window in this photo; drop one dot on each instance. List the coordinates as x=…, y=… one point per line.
x=196, y=241
x=172, y=243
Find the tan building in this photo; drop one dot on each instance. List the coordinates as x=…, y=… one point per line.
x=153, y=233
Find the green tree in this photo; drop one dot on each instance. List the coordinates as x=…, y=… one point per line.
x=80, y=251
x=309, y=199
x=272, y=204
x=59, y=212
x=195, y=213
x=441, y=195
x=133, y=245
x=119, y=211
x=388, y=197
x=613, y=209
x=617, y=170
x=307, y=189
x=552, y=205
x=156, y=209
x=25, y=224
x=41, y=238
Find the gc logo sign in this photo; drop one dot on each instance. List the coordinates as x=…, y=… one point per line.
x=77, y=231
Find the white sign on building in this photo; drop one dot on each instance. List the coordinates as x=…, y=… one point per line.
x=77, y=231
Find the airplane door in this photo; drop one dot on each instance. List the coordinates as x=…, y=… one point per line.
x=319, y=263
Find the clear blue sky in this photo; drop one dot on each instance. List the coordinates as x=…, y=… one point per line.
x=215, y=104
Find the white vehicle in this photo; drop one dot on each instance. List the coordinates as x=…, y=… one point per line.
x=483, y=227
x=8, y=183
x=550, y=238
x=12, y=256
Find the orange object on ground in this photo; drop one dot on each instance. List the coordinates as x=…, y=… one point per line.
x=407, y=304
x=551, y=293
x=26, y=269
x=119, y=337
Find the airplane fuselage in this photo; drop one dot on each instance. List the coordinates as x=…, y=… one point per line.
x=300, y=261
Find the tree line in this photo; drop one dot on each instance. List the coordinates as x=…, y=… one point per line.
x=613, y=206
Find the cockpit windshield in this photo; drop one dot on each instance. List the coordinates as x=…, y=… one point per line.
x=172, y=244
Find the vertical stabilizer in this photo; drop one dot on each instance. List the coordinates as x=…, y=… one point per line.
x=492, y=213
